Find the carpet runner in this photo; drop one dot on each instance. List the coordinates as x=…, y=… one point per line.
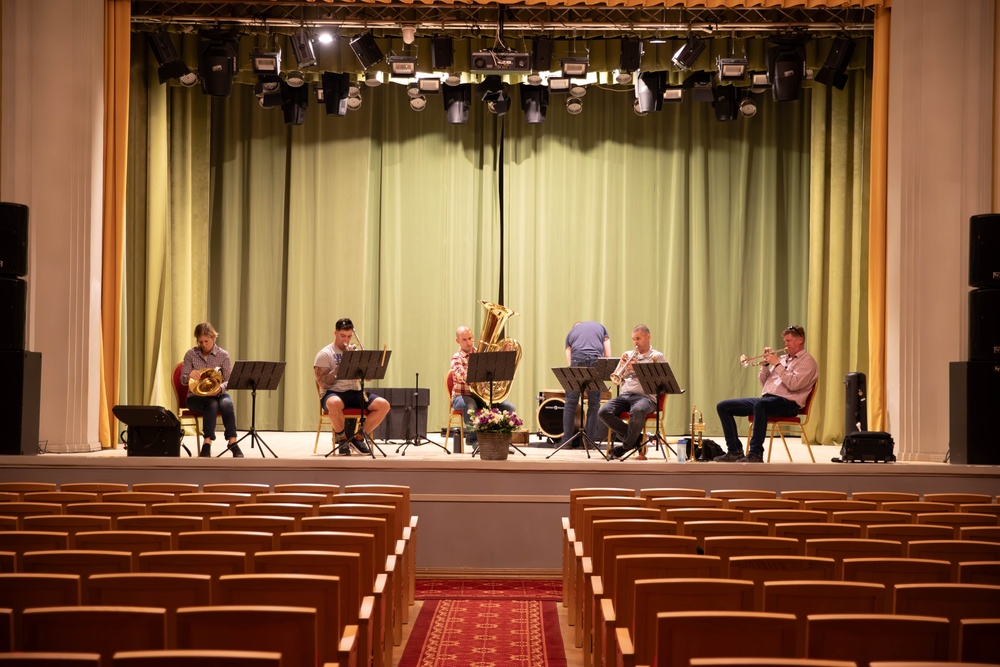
x=494, y=624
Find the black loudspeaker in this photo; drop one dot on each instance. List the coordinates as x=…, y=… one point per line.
x=13, y=239
x=631, y=56
x=984, y=250
x=975, y=395
x=856, y=408
x=984, y=325
x=442, y=53
x=399, y=424
x=20, y=399
x=541, y=54
x=13, y=310
x=152, y=430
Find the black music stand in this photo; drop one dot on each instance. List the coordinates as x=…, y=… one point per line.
x=656, y=379
x=579, y=378
x=363, y=365
x=254, y=375
x=492, y=367
x=417, y=440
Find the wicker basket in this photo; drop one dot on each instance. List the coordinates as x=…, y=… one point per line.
x=493, y=446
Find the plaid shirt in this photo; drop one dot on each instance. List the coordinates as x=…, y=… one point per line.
x=459, y=369
x=217, y=358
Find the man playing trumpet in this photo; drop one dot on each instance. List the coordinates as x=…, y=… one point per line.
x=786, y=382
x=631, y=399
x=206, y=355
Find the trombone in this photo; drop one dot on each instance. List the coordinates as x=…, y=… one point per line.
x=759, y=359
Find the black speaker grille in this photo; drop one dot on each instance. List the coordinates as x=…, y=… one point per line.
x=984, y=250
x=13, y=239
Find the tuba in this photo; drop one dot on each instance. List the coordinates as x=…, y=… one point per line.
x=207, y=383
x=489, y=341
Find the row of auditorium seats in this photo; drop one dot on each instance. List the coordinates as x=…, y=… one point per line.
x=620, y=546
x=362, y=536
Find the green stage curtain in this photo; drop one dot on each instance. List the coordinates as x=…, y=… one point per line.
x=714, y=234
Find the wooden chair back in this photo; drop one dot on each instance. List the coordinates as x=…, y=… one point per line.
x=952, y=601
x=168, y=591
x=838, y=549
x=870, y=518
x=904, y=533
x=113, y=510
x=290, y=631
x=892, y=571
x=172, y=524
x=245, y=541
x=198, y=658
x=236, y=487
x=76, y=561
x=743, y=494
x=20, y=591
x=867, y=638
x=978, y=638
x=71, y=524
x=203, y=510
x=879, y=497
x=684, y=635
x=810, y=530
x=91, y=629
x=671, y=492
x=276, y=525
x=975, y=572
x=761, y=569
x=134, y=542
x=175, y=488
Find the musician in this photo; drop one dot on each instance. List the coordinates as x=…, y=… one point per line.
x=341, y=394
x=462, y=397
x=586, y=342
x=632, y=399
x=206, y=354
x=786, y=382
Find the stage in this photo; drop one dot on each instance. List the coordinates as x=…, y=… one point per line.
x=496, y=517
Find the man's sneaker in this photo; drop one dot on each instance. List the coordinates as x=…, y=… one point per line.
x=729, y=457
x=206, y=450
x=618, y=452
x=344, y=449
x=360, y=445
x=751, y=458
x=237, y=452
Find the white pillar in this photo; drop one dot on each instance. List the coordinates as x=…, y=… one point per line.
x=52, y=155
x=940, y=173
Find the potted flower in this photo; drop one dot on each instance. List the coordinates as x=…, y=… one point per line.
x=494, y=428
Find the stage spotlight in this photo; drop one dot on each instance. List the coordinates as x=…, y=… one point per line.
x=558, y=84
x=748, y=106
x=418, y=103
x=649, y=87
x=577, y=90
x=786, y=66
x=457, y=100
x=405, y=66
x=637, y=107
x=700, y=84
x=732, y=67
x=686, y=56
x=268, y=91
x=366, y=49
x=353, y=96
x=217, y=53
x=295, y=78
x=574, y=105
x=302, y=47
x=673, y=94
x=453, y=79
x=429, y=85
x=834, y=71
x=759, y=82
x=575, y=66
x=724, y=103
x=496, y=94
x=293, y=104
x=335, y=89
x=622, y=77
x=373, y=79
x=266, y=63
x=170, y=64
x=534, y=103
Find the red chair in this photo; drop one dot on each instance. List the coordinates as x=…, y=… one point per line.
x=455, y=417
x=651, y=417
x=324, y=416
x=189, y=417
x=789, y=425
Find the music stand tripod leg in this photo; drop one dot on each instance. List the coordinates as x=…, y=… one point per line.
x=581, y=433
x=252, y=433
x=417, y=439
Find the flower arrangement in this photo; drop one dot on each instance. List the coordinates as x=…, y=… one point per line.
x=495, y=421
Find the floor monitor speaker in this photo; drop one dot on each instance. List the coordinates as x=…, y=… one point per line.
x=975, y=394
x=13, y=239
x=984, y=324
x=152, y=430
x=984, y=250
x=20, y=401
x=13, y=311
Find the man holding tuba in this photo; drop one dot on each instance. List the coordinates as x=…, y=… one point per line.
x=462, y=397
x=631, y=399
x=785, y=385
x=207, y=368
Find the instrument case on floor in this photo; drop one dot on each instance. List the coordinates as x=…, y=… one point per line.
x=870, y=446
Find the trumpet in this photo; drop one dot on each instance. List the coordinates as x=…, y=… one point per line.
x=759, y=359
x=618, y=376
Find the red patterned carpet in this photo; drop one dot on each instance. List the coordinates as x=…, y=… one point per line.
x=486, y=623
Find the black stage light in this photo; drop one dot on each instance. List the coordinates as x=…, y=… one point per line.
x=294, y=101
x=534, y=103
x=217, y=53
x=700, y=84
x=265, y=63
x=170, y=64
x=366, y=49
x=834, y=72
x=402, y=66
x=724, y=102
x=335, y=88
x=302, y=47
x=649, y=88
x=786, y=66
x=631, y=55
x=457, y=100
x=268, y=91
x=686, y=56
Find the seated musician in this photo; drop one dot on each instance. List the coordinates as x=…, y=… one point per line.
x=462, y=397
x=207, y=355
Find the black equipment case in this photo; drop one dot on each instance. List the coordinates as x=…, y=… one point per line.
x=862, y=446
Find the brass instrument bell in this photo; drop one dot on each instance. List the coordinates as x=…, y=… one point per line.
x=207, y=383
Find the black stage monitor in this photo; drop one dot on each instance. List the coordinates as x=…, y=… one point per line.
x=152, y=430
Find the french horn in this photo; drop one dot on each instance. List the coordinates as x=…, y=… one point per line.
x=207, y=383
x=490, y=341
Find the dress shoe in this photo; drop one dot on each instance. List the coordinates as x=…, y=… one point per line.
x=206, y=450
x=237, y=452
x=729, y=457
x=751, y=458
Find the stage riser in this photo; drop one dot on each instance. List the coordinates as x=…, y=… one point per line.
x=494, y=516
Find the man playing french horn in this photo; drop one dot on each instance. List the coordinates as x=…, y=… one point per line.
x=631, y=399
x=207, y=395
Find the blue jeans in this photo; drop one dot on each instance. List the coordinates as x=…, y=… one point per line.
x=466, y=402
x=573, y=402
x=761, y=408
x=210, y=407
x=638, y=406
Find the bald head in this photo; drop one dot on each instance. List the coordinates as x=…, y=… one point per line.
x=465, y=339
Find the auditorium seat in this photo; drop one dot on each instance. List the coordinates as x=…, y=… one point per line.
x=981, y=508
x=742, y=494
x=236, y=487
x=978, y=638
x=19, y=542
x=702, y=530
x=100, y=488
x=92, y=629
x=71, y=524
x=747, y=504
x=879, y=497
x=176, y=488
x=681, y=636
x=50, y=659
x=865, y=638
x=957, y=520
x=199, y=658
x=113, y=510
x=77, y=561
x=726, y=547
x=905, y=533
x=958, y=499
x=61, y=497
x=324, y=489
x=294, y=510
x=314, y=499
x=169, y=591
x=670, y=492
x=952, y=601
x=246, y=541
x=276, y=525
x=414, y=521
x=768, y=662
x=220, y=497
x=22, y=509
x=684, y=515
x=870, y=518
x=803, y=598
x=290, y=631
x=816, y=530
x=838, y=549
x=679, y=502
x=977, y=572
x=211, y=563
x=134, y=542
x=979, y=533
x=892, y=571
x=20, y=591
x=773, y=517
x=915, y=507
x=204, y=510
x=21, y=488
x=760, y=569
x=163, y=523
x=804, y=495
x=141, y=497
x=954, y=551
x=840, y=505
